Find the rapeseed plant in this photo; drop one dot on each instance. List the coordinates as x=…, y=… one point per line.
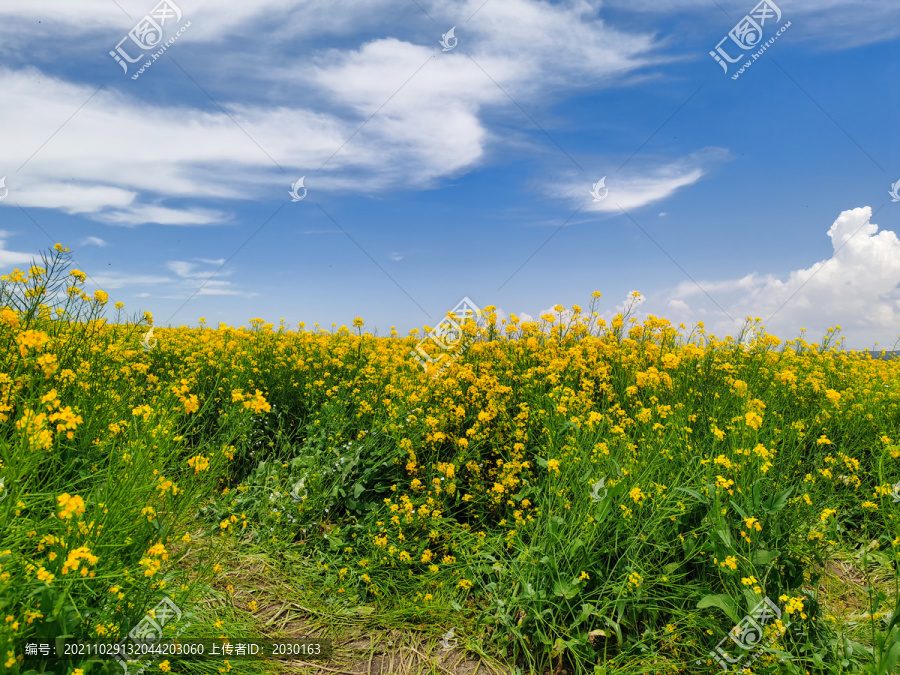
x=562, y=477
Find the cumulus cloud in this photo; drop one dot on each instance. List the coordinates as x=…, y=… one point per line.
x=93, y=241
x=857, y=288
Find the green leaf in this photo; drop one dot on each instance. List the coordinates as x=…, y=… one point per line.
x=726, y=537
x=764, y=557
x=576, y=547
x=895, y=617
x=890, y=661
x=586, y=611
x=738, y=509
x=696, y=495
x=565, y=589
x=358, y=490
x=777, y=502
x=723, y=602
x=555, y=522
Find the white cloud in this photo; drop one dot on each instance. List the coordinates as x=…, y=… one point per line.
x=521, y=316
x=429, y=124
x=188, y=270
x=107, y=281
x=8, y=258
x=223, y=22
x=189, y=277
x=93, y=241
x=159, y=215
x=830, y=24
x=202, y=280
x=640, y=184
x=858, y=288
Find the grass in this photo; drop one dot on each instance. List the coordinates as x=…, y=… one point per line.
x=567, y=496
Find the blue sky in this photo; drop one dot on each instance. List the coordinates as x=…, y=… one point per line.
x=435, y=174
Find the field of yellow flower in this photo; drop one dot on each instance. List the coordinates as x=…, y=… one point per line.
x=604, y=498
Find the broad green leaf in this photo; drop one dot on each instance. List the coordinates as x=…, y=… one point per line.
x=764, y=557
x=726, y=537
x=723, y=602
x=738, y=509
x=576, y=547
x=895, y=618
x=565, y=589
x=890, y=660
x=778, y=502
x=586, y=611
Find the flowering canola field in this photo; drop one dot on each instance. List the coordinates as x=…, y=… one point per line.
x=612, y=498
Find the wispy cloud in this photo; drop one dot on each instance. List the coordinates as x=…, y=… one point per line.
x=159, y=215
x=188, y=270
x=433, y=128
x=193, y=277
x=638, y=185
x=8, y=257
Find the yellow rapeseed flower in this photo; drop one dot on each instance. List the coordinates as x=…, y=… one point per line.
x=70, y=505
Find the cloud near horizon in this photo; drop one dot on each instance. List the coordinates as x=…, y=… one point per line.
x=858, y=288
